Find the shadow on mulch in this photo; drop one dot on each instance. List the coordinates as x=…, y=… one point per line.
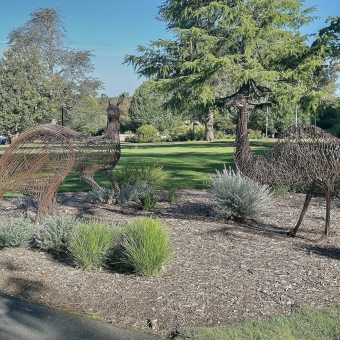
x=322, y=250
x=249, y=227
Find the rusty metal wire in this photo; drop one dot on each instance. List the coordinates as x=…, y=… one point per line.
x=35, y=164
x=93, y=154
x=40, y=159
x=303, y=153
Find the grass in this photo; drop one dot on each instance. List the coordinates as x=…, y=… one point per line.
x=307, y=324
x=144, y=246
x=187, y=163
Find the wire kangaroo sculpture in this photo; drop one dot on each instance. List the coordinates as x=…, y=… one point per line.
x=303, y=153
x=35, y=164
x=93, y=154
x=40, y=159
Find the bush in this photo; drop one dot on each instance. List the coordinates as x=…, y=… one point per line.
x=91, y=243
x=56, y=232
x=144, y=246
x=152, y=174
x=98, y=197
x=141, y=192
x=145, y=134
x=218, y=134
x=16, y=232
x=237, y=196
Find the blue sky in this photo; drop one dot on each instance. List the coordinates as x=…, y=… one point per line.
x=114, y=28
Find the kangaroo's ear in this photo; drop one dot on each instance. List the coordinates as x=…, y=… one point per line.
x=120, y=99
x=106, y=98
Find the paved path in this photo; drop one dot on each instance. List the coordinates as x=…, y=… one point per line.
x=20, y=320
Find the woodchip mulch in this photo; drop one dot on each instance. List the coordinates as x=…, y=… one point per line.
x=221, y=274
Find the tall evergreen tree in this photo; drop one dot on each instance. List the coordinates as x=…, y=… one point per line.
x=62, y=78
x=224, y=47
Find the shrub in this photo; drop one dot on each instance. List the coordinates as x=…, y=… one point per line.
x=145, y=134
x=141, y=192
x=218, y=134
x=144, y=246
x=152, y=174
x=91, y=243
x=98, y=197
x=180, y=133
x=237, y=196
x=172, y=196
x=16, y=232
x=56, y=232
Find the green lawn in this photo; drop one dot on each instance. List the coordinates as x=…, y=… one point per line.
x=307, y=324
x=187, y=163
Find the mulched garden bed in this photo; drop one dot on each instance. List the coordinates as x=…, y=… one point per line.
x=222, y=273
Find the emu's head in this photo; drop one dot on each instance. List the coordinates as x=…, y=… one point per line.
x=240, y=101
x=113, y=111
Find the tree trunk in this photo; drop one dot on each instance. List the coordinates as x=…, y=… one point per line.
x=209, y=125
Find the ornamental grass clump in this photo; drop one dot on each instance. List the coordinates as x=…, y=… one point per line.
x=55, y=235
x=237, y=196
x=144, y=246
x=16, y=232
x=91, y=243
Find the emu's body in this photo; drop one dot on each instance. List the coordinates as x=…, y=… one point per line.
x=303, y=153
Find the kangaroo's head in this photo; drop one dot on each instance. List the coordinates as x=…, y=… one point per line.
x=113, y=111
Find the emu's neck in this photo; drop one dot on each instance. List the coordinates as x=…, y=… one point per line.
x=243, y=154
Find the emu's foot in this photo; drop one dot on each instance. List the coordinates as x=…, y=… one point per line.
x=323, y=238
x=291, y=233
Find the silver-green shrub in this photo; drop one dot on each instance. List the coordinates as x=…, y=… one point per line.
x=91, y=243
x=98, y=197
x=238, y=196
x=56, y=233
x=141, y=192
x=16, y=232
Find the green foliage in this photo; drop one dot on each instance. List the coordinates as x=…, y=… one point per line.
x=152, y=174
x=183, y=132
x=16, y=232
x=91, y=243
x=148, y=201
x=172, y=196
x=87, y=117
x=141, y=192
x=144, y=246
x=147, y=108
x=254, y=134
x=55, y=235
x=98, y=197
x=145, y=134
x=40, y=73
x=220, y=49
x=237, y=196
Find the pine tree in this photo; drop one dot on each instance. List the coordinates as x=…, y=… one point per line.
x=224, y=47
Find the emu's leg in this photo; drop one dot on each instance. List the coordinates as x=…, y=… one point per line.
x=328, y=195
x=309, y=196
x=109, y=174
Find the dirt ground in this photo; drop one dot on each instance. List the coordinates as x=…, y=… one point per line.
x=221, y=274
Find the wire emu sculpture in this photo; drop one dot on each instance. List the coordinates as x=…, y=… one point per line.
x=40, y=159
x=303, y=153
x=36, y=164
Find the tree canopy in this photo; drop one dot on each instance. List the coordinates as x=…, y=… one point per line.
x=40, y=73
x=224, y=47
